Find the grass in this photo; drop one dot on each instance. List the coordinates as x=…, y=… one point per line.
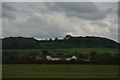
x=68, y=51
x=59, y=71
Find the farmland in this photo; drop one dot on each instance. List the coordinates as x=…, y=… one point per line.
x=59, y=71
x=66, y=51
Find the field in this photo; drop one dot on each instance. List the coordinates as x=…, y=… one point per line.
x=59, y=71
x=67, y=51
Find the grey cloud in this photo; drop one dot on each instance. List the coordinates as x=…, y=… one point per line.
x=49, y=35
x=85, y=7
x=119, y=10
x=112, y=11
x=101, y=24
x=8, y=14
x=0, y=19
x=49, y=20
x=0, y=8
x=85, y=10
x=87, y=16
x=8, y=11
x=113, y=29
x=6, y=6
x=45, y=26
x=109, y=10
x=114, y=21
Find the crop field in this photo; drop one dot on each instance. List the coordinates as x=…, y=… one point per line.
x=59, y=71
x=67, y=51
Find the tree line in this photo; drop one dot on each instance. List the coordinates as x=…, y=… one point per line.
x=67, y=42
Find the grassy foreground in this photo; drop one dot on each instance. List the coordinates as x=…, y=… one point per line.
x=59, y=71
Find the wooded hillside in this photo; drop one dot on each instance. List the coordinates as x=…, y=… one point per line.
x=67, y=42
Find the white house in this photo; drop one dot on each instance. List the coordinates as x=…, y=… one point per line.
x=74, y=57
x=71, y=57
x=52, y=58
x=48, y=57
x=68, y=59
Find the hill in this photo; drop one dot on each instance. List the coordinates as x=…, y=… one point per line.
x=68, y=42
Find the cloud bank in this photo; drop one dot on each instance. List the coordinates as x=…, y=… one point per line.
x=56, y=19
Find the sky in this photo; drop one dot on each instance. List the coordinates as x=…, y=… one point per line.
x=44, y=20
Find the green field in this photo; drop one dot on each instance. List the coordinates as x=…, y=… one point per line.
x=67, y=51
x=59, y=71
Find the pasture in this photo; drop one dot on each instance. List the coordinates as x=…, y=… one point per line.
x=59, y=71
x=67, y=51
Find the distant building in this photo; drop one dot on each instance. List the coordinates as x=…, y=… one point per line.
x=53, y=58
x=70, y=57
x=74, y=57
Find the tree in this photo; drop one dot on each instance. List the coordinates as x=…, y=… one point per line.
x=67, y=37
x=44, y=52
x=50, y=40
x=56, y=39
x=94, y=53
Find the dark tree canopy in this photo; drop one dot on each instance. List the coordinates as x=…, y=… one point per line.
x=68, y=42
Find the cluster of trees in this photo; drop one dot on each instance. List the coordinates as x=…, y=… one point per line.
x=105, y=58
x=67, y=42
x=15, y=58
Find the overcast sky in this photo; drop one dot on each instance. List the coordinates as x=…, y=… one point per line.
x=56, y=19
